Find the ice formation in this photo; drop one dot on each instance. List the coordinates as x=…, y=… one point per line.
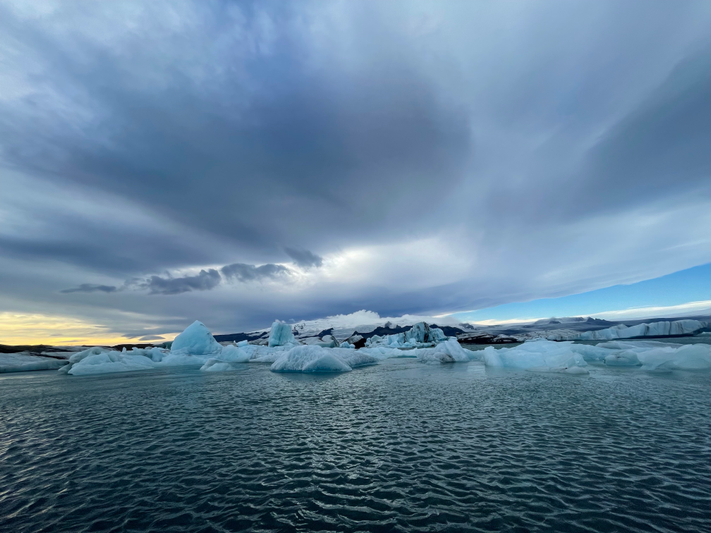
x=196, y=346
x=547, y=356
x=653, y=329
x=446, y=352
x=24, y=361
x=98, y=360
x=420, y=335
x=538, y=355
x=315, y=359
x=195, y=340
x=281, y=334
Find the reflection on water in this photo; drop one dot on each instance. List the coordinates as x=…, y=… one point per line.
x=396, y=447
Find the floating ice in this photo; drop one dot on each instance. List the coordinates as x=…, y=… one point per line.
x=446, y=352
x=384, y=352
x=537, y=355
x=24, y=361
x=315, y=359
x=419, y=335
x=215, y=365
x=234, y=354
x=195, y=340
x=685, y=357
x=281, y=334
x=110, y=361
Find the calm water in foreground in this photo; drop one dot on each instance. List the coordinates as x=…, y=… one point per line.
x=401, y=446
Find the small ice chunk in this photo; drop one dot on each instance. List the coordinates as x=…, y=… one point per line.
x=215, y=365
x=623, y=358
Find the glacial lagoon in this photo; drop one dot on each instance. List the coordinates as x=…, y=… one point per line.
x=398, y=446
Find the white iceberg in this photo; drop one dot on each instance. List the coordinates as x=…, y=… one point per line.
x=446, y=352
x=24, y=361
x=234, y=354
x=385, y=352
x=315, y=359
x=420, y=335
x=685, y=357
x=110, y=361
x=537, y=355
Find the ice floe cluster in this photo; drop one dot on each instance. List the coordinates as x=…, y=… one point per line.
x=567, y=357
x=653, y=329
x=420, y=335
x=197, y=347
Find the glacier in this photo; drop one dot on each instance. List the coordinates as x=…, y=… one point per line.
x=653, y=329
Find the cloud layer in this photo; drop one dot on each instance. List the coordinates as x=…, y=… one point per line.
x=402, y=157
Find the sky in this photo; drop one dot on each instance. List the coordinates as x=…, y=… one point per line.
x=238, y=162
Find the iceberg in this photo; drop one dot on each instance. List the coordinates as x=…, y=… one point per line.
x=537, y=355
x=446, y=352
x=685, y=357
x=420, y=335
x=315, y=359
x=24, y=361
x=108, y=362
x=281, y=334
x=547, y=356
x=234, y=354
x=99, y=360
x=196, y=339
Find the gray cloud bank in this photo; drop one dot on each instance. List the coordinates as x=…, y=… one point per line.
x=304, y=258
x=90, y=287
x=538, y=149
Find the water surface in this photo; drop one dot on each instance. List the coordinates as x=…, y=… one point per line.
x=400, y=446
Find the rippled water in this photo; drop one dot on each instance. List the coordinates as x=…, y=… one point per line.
x=396, y=447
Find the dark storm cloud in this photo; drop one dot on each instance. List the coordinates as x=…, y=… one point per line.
x=166, y=137
x=662, y=149
x=304, y=258
x=206, y=280
x=90, y=287
x=150, y=338
x=309, y=138
x=246, y=273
